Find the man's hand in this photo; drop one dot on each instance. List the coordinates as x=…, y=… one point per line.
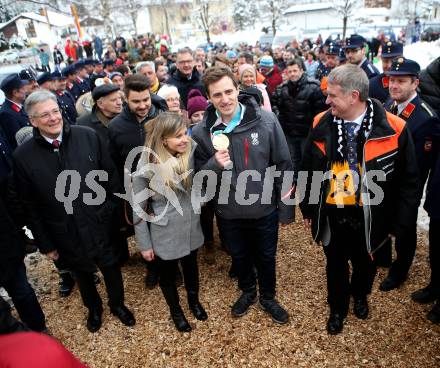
x=308, y=222
x=148, y=255
x=53, y=255
x=222, y=158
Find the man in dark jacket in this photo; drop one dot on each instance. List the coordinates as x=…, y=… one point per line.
x=12, y=115
x=108, y=104
x=186, y=77
x=76, y=228
x=12, y=268
x=421, y=121
x=297, y=102
x=256, y=142
x=367, y=188
x=127, y=131
x=430, y=85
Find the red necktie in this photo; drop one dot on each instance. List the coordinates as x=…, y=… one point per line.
x=56, y=143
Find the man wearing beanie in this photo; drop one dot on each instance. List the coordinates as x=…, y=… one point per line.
x=271, y=73
x=108, y=104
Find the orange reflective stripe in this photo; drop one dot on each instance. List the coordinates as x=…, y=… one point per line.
x=317, y=118
x=321, y=146
x=377, y=148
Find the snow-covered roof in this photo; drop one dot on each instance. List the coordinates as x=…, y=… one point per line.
x=308, y=7
x=55, y=19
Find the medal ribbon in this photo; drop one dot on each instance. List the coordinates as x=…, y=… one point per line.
x=232, y=124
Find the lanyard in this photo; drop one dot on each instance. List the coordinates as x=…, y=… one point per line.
x=232, y=124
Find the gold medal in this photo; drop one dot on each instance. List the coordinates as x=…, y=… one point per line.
x=220, y=142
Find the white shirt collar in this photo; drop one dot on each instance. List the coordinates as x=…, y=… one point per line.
x=220, y=121
x=402, y=106
x=357, y=121
x=50, y=140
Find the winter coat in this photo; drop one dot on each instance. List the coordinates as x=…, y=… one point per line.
x=257, y=143
x=172, y=235
x=184, y=85
x=91, y=120
x=389, y=148
x=432, y=201
x=296, y=104
x=82, y=237
x=11, y=240
x=273, y=80
x=5, y=156
x=430, y=85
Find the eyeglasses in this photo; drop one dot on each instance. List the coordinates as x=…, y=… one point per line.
x=173, y=99
x=185, y=62
x=47, y=115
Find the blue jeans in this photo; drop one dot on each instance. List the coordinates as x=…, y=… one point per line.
x=253, y=242
x=296, y=147
x=24, y=298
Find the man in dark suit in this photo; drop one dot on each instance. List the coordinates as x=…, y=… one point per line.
x=78, y=230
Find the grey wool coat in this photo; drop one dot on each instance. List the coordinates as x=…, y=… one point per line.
x=171, y=228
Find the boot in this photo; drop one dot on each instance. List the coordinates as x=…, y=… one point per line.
x=209, y=252
x=196, y=308
x=67, y=282
x=172, y=299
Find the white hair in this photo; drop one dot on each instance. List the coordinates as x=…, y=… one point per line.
x=41, y=95
x=166, y=90
x=141, y=64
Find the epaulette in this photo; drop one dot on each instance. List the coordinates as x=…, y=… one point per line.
x=427, y=109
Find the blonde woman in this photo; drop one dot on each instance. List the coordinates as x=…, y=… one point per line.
x=162, y=196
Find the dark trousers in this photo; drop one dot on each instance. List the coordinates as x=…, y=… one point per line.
x=24, y=299
x=168, y=269
x=207, y=222
x=253, y=241
x=113, y=284
x=296, y=147
x=434, y=253
x=405, y=244
x=347, y=243
x=8, y=323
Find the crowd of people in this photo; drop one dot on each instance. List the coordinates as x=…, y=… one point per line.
x=353, y=146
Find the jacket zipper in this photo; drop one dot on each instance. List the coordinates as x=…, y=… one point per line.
x=364, y=167
x=320, y=206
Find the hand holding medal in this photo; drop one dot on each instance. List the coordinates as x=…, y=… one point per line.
x=221, y=144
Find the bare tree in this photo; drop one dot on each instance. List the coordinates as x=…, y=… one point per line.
x=275, y=10
x=346, y=9
x=204, y=17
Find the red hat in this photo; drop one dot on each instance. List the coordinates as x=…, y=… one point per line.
x=196, y=102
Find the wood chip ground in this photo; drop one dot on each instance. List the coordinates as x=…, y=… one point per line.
x=396, y=334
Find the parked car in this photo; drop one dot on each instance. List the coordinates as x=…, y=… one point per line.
x=5, y=70
x=9, y=56
x=431, y=34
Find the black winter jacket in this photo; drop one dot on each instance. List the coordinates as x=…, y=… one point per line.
x=184, y=85
x=430, y=85
x=11, y=240
x=82, y=237
x=389, y=149
x=126, y=133
x=296, y=104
